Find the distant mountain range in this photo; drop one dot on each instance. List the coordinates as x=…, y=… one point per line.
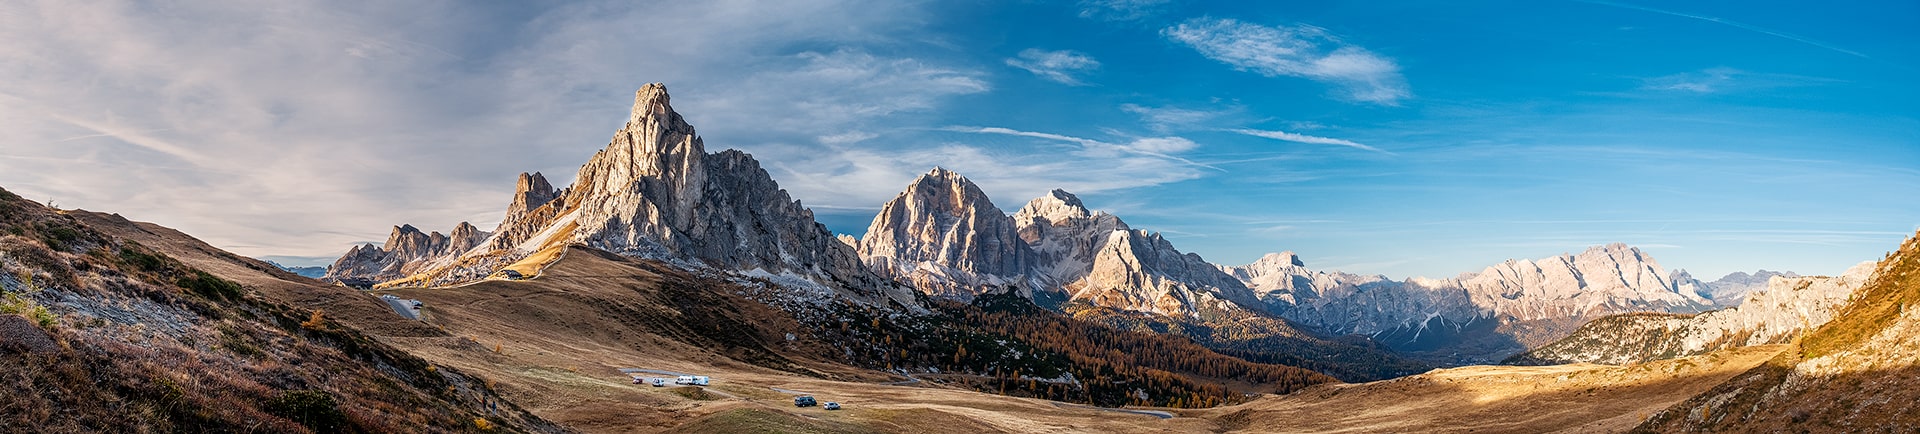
x=310, y=272
x=1775, y=314
x=655, y=192
x=662, y=255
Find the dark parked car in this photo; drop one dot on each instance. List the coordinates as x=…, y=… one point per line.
x=803, y=401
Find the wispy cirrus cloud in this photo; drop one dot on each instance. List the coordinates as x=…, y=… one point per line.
x=1736, y=24
x=1165, y=119
x=1121, y=10
x=1302, y=138
x=1059, y=66
x=1724, y=79
x=1156, y=147
x=1295, y=51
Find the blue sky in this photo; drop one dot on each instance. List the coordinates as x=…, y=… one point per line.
x=1402, y=138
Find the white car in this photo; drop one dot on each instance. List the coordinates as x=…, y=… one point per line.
x=831, y=405
x=659, y=382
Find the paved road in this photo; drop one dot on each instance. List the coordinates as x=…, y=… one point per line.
x=403, y=308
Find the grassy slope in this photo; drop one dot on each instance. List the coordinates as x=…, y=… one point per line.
x=1855, y=373
x=1494, y=399
x=151, y=342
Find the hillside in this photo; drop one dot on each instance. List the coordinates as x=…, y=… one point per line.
x=1775, y=314
x=593, y=312
x=1577, y=398
x=119, y=335
x=553, y=346
x=1856, y=373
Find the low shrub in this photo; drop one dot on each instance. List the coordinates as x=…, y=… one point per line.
x=210, y=286
x=313, y=408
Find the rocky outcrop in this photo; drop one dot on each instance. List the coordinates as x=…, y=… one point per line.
x=945, y=237
x=1140, y=271
x=1776, y=314
x=534, y=206
x=1064, y=235
x=1860, y=372
x=406, y=251
x=655, y=192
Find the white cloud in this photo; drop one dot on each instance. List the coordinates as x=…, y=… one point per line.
x=1163, y=145
x=1155, y=147
x=1165, y=119
x=1724, y=79
x=847, y=137
x=298, y=127
x=1121, y=10
x=1302, y=51
x=1302, y=138
x=1059, y=66
x=1705, y=81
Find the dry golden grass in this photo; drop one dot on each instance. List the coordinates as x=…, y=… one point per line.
x=1497, y=399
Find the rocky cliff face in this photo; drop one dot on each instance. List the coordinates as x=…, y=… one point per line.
x=1095, y=257
x=1140, y=271
x=1776, y=314
x=945, y=237
x=1064, y=235
x=655, y=192
x=1600, y=281
x=406, y=251
x=534, y=206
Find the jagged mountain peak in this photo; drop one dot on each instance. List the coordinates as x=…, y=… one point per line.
x=651, y=102
x=1056, y=205
x=944, y=236
x=940, y=178
x=532, y=191
x=1286, y=258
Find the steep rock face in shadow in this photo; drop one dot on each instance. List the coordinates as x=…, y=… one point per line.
x=945, y=237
